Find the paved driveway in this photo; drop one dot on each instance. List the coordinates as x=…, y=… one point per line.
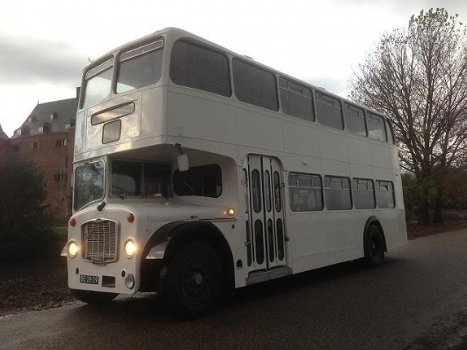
x=417, y=300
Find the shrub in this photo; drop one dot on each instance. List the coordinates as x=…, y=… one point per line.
x=23, y=224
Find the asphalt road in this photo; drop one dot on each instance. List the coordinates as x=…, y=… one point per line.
x=416, y=300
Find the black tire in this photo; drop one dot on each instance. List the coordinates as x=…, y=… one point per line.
x=93, y=298
x=374, y=246
x=194, y=280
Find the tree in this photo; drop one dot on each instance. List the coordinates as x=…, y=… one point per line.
x=418, y=78
x=23, y=232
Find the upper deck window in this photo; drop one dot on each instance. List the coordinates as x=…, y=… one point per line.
x=329, y=110
x=355, y=119
x=296, y=99
x=200, y=68
x=139, y=67
x=376, y=128
x=255, y=85
x=97, y=83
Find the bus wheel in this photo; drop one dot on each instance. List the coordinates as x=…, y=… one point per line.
x=374, y=246
x=194, y=280
x=94, y=298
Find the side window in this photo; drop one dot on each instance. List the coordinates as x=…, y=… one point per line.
x=337, y=192
x=296, y=100
x=140, y=67
x=385, y=194
x=376, y=127
x=200, y=68
x=390, y=132
x=254, y=85
x=306, y=192
x=205, y=180
x=363, y=193
x=329, y=110
x=355, y=119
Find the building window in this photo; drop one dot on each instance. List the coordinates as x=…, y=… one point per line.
x=61, y=175
x=337, y=191
x=35, y=145
x=61, y=143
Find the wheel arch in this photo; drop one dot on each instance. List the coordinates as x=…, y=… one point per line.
x=373, y=220
x=175, y=235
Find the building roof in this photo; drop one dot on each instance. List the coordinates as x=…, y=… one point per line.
x=3, y=136
x=49, y=117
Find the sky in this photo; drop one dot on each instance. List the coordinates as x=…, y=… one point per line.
x=44, y=45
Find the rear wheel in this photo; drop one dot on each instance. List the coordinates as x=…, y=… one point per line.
x=94, y=298
x=374, y=246
x=194, y=280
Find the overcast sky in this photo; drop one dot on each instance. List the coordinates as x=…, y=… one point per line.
x=44, y=45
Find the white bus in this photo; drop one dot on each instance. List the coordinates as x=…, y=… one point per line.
x=198, y=170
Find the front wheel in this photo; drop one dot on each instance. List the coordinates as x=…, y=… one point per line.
x=374, y=246
x=94, y=298
x=194, y=280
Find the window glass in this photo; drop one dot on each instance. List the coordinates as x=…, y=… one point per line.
x=363, y=193
x=277, y=192
x=328, y=110
x=205, y=180
x=267, y=190
x=200, y=68
x=337, y=192
x=376, y=128
x=306, y=192
x=355, y=119
x=254, y=85
x=89, y=184
x=385, y=194
x=296, y=100
x=256, y=190
x=140, y=67
x=97, y=84
x=139, y=179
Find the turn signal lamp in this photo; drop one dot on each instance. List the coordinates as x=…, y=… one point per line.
x=72, y=222
x=230, y=212
x=130, y=248
x=130, y=217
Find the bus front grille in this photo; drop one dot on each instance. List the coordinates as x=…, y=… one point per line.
x=100, y=241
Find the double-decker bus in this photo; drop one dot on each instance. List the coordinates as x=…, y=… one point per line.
x=198, y=170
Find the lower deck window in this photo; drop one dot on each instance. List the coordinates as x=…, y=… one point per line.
x=306, y=192
x=337, y=192
x=385, y=194
x=205, y=180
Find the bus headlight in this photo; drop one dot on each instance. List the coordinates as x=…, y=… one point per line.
x=130, y=248
x=73, y=249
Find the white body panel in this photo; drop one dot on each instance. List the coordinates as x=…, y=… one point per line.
x=223, y=130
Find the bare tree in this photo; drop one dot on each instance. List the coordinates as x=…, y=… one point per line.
x=418, y=77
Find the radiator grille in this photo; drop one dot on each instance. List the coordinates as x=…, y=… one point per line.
x=100, y=241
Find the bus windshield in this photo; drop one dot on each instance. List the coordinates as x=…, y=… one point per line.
x=89, y=184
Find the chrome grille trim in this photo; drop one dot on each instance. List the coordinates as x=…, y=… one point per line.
x=100, y=241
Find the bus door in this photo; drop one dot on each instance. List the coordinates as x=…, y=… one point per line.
x=265, y=228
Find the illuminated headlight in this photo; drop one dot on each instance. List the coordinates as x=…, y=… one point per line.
x=73, y=249
x=130, y=248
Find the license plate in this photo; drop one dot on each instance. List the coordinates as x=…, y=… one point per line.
x=89, y=279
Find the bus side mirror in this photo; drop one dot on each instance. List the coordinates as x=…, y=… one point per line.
x=182, y=162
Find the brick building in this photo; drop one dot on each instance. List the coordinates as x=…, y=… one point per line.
x=46, y=138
